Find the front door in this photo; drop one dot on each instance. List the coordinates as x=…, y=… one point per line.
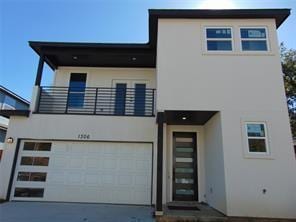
x=184, y=167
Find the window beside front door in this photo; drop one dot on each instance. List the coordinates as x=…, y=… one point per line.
x=77, y=86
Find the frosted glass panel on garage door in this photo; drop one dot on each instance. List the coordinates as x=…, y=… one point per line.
x=101, y=172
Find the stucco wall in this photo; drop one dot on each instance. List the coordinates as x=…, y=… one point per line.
x=243, y=86
x=214, y=164
x=199, y=80
x=247, y=177
x=105, y=77
x=68, y=127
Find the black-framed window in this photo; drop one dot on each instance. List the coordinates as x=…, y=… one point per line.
x=120, y=98
x=140, y=99
x=77, y=86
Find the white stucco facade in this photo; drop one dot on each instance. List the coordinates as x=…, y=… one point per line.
x=243, y=86
x=240, y=86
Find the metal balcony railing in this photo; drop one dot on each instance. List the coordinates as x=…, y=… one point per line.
x=96, y=101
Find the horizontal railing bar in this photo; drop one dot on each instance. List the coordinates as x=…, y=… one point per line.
x=89, y=87
x=96, y=101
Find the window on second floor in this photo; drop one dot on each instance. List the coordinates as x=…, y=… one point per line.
x=253, y=39
x=219, y=39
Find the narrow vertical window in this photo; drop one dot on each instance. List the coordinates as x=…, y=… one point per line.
x=120, y=98
x=219, y=39
x=140, y=99
x=253, y=39
x=76, y=90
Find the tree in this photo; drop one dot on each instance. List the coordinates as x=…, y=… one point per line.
x=288, y=57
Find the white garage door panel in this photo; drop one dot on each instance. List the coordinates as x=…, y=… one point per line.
x=101, y=172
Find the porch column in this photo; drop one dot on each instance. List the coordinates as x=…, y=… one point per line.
x=39, y=71
x=160, y=121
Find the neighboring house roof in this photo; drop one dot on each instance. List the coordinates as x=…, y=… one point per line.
x=13, y=95
x=141, y=54
x=21, y=108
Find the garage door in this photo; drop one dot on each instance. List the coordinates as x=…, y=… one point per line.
x=100, y=172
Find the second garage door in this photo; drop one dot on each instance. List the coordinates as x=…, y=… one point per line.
x=100, y=172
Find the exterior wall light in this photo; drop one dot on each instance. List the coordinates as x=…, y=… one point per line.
x=184, y=118
x=9, y=140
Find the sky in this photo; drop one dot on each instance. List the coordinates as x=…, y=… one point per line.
x=115, y=21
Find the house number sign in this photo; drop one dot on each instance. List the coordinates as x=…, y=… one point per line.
x=84, y=136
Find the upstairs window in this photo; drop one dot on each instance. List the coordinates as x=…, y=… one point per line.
x=257, y=138
x=219, y=39
x=253, y=39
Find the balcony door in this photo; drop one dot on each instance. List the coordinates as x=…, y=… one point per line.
x=184, y=167
x=76, y=93
x=130, y=97
x=120, y=98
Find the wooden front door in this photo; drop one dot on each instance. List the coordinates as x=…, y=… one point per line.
x=184, y=167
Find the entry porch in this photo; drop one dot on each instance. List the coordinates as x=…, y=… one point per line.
x=190, y=167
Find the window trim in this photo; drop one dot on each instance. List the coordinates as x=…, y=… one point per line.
x=219, y=39
x=267, y=152
x=254, y=39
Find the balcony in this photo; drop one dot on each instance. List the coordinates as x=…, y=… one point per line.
x=96, y=101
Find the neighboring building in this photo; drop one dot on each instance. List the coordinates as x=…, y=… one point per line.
x=8, y=101
x=196, y=114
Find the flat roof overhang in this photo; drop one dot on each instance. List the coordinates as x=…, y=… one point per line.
x=182, y=117
x=95, y=54
x=138, y=54
x=10, y=112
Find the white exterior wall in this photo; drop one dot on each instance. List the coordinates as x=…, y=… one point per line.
x=68, y=127
x=243, y=86
x=214, y=164
x=104, y=77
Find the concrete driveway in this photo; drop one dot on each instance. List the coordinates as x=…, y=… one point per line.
x=73, y=212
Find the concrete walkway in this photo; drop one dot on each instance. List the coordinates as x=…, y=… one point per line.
x=73, y=212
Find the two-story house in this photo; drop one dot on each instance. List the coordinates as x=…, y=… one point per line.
x=8, y=101
x=197, y=114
